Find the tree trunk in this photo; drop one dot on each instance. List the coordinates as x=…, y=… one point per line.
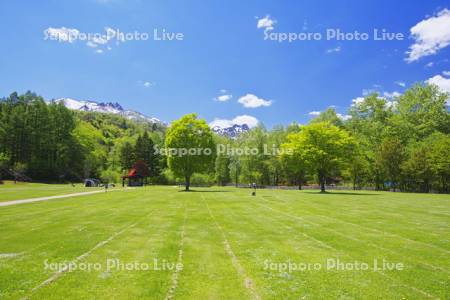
x=322, y=182
x=188, y=183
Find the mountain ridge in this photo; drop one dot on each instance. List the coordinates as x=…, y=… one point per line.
x=116, y=108
x=106, y=107
x=231, y=131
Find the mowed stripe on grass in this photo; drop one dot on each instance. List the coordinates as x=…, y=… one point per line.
x=225, y=239
x=289, y=240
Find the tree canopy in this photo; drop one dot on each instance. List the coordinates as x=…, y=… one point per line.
x=191, y=147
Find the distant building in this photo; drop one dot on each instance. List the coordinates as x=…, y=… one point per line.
x=136, y=176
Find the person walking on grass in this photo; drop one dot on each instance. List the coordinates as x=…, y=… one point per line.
x=253, y=185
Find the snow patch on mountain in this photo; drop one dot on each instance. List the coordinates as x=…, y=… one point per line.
x=231, y=131
x=108, y=107
x=233, y=127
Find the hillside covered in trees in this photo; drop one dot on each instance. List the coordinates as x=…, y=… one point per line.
x=48, y=142
x=401, y=144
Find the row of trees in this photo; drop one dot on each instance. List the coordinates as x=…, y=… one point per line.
x=401, y=143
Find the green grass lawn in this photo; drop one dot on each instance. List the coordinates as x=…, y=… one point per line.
x=231, y=245
x=10, y=191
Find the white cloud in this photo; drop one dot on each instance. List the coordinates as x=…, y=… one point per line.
x=332, y=50
x=146, y=84
x=252, y=101
x=442, y=82
x=391, y=104
x=223, y=98
x=61, y=34
x=343, y=117
x=430, y=36
x=446, y=73
x=267, y=23
x=357, y=101
x=246, y=119
x=390, y=95
x=340, y=116
x=70, y=35
x=400, y=83
x=239, y=120
x=377, y=89
x=429, y=65
x=314, y=113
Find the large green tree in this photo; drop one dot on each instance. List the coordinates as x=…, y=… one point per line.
x=325, y=148
x=293, y=160
x=421, y=111
x=190, y=146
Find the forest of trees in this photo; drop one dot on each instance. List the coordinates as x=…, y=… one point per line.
x=396, y=144
x=48, y=142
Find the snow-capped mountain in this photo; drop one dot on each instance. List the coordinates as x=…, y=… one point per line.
x=112, y=108
x=115, y=108
x=232, y=131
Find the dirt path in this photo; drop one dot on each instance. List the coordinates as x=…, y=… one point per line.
x=14, y=202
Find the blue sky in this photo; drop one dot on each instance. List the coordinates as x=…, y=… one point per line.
x=223, y=54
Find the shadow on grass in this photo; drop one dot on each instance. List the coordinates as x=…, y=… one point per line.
x=340, y=193
x=196, y=191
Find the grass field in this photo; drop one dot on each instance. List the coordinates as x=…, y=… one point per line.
x=231, y=245
x=10, y=191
